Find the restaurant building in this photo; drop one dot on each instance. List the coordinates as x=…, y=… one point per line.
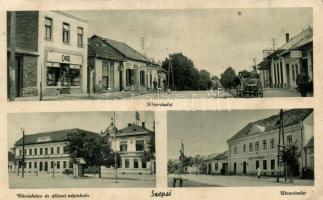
x=115, y=66
x=51, y=53
x=255, y=145
x=46, y=152
x=130, y=143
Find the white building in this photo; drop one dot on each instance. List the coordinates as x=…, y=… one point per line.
x=131, y=142
x=256, y=144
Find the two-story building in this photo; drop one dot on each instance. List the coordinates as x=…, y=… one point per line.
x=255, y=145
x=46, y=152
x=50, y=51
x=115, y=66
x=130, y=143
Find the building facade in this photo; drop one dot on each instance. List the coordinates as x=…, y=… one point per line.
x=279, y=69
x=256, y=144
x=130, y=143
x=46, y=152
x=51, y=53
x=115, y=66
x=215, y=164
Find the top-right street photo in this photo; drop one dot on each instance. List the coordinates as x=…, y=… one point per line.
x=151, y=54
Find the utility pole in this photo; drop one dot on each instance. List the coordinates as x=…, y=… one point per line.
x=170, y=71
x=12, y=60
x=23, y=153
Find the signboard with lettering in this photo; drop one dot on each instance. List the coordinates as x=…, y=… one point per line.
x=296, y=54
x=64, y=58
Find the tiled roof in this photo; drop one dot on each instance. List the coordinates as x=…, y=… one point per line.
x=54, y=136
x=216, y=156
x=133, y=130
x=100, y=49
x=291, y=117
x=124, y=49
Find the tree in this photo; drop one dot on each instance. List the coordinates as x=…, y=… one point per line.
x=149, y=151
x=227, y=78
x=94, y=150
x=290, y=155
x=197, y=161
x=204, y=80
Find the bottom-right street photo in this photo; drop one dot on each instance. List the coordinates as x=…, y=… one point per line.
x=261, y=147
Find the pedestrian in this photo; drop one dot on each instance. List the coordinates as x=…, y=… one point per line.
x=302, y=81
x=155, y=85
x=258, y=172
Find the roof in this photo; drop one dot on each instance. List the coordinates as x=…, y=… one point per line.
x=123, y=49
x=54, y=136
x=98, y=48
x=216, y=156
x=310, y=143
x=290, y=117
x=133, y=129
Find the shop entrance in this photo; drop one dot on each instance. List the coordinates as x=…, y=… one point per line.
x=304, y=65
x=244, y=167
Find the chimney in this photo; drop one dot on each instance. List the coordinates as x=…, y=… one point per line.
x=287, y=37
x=143, y=124
x=129, y=124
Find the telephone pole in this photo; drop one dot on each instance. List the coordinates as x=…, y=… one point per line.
x=170, y=71
x=23, y=154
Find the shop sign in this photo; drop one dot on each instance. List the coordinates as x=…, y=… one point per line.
x=257, y=157
x=296, y=54
x=64, y=58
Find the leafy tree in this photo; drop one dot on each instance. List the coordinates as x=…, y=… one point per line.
x=290, y=155
x=204, y=80
x=197, y=161
x=149, y=151
x=227, y=78
x=173, y=167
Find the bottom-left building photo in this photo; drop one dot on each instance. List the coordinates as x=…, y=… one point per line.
x=81, y=150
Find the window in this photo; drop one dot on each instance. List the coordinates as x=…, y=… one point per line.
x=123, y=145
x=48, y=28
x=257, y=164
x=126, y=163
x=142, y=78
x=216, y=166
x=46, y=151
x=289, y=139
x=66, y=33
x=144, y=163
x=272, y=164
x=30, y=165
x=58, y=164
x=139, y=145
x=79, y=36
x=244, y=148
x=264, y=144
x=64, y=164
x=250, y=147
x=235, y=149
x=52, y=150
x=20, y=152
x=130, y=77
x=135, y=163
x=65, y=149
x=257, y=146
x=30, y=152
x=35, y=151
x=41, y=151
x=52, y=164
x=264, y=164
x=272, y=143
x=35, y=165
x=58, y=150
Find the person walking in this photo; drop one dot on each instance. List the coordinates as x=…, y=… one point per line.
x=258, y=172
x=302, y=81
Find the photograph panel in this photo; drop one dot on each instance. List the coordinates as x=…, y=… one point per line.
x=240, y=148
x=167, y=54
x=81, y=150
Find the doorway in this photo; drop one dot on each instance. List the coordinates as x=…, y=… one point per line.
x=46, y=167
x=287, y=76
x=234, y=168
x=121, y=80
x=304, y=65
x=244, y=167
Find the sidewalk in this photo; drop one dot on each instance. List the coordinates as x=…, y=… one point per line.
x=241, y=180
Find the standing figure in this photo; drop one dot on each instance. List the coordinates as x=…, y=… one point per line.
x=155, y=85
x=258, y=172
x=302, y=81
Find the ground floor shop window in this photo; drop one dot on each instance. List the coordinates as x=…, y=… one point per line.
x=144, y=164
x=59, y=74
x=135, y=163
x=264, y=163
x=216, y=166
x=272, y=164
x=142, y=78
x=130, y=77
x=127, y=164
x=257, y=164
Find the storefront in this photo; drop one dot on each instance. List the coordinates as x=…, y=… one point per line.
x=63, y=71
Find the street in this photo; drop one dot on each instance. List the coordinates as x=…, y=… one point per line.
x=275, y=92
x=64, y=181
x=192, y=180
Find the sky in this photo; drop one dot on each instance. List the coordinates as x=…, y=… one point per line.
x=206, y=132
x=213, y=38
x=91, y=121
